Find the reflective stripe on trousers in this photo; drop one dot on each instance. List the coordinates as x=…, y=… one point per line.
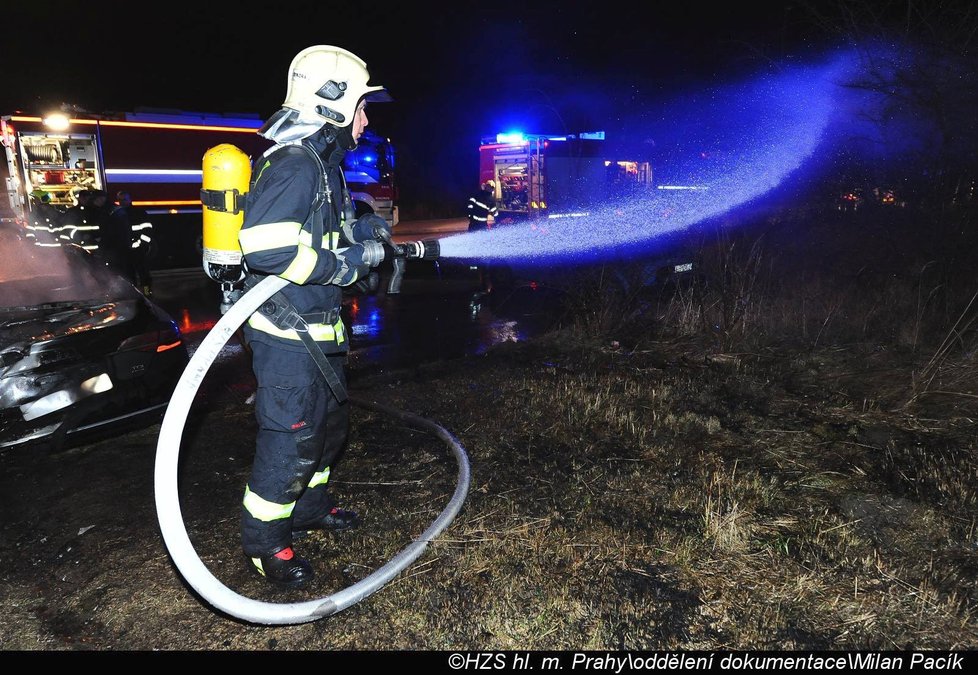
x=301, y=432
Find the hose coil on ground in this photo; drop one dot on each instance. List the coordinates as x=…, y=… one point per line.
x=170, y=516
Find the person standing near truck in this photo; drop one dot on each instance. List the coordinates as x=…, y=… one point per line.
x=481, y=207
x=482, y=212
x=134, y=223
x=296, y=227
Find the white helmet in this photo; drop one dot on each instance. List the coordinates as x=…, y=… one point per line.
x=325, y=86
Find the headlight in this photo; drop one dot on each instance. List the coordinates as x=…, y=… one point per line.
x=65, y=397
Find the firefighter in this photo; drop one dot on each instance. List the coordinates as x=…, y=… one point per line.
x=134, y=224
x=296, y=227
x=45, y=222
x=481, y=207
x=78, y=225
x=90, y=226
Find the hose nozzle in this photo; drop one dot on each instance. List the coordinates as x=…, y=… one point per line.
x=429, y=249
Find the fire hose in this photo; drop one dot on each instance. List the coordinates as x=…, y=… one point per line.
x=170, y=517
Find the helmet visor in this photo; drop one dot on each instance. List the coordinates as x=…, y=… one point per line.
x=377, y=95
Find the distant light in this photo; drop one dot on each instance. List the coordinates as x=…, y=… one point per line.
x=130, y=175
x=229, y=127
x=157, y=172
x=682, y=187
x=168, y=202
x=592, y=135
x=57, y=122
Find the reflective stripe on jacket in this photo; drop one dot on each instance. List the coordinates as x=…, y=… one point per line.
x=481, y=207
x=277, y=237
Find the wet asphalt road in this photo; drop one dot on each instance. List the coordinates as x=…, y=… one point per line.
x=430, y=319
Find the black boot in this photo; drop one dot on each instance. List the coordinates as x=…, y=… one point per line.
x=337, y=519
x=284, y=568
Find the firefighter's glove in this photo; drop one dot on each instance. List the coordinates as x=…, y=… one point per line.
x=368, y=284
x=369, y=226
x=349, y=266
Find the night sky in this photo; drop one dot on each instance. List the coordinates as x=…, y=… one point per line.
x=479, y=68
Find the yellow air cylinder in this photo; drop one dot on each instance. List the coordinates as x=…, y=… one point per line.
x=226, y=177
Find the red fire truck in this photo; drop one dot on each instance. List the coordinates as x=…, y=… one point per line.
x=539, y=176
x=156, y=156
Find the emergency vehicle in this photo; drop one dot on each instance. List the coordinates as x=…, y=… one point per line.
x=540, y=176
x=156, y=156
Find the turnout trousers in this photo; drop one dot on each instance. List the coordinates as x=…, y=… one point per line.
x=302, y=432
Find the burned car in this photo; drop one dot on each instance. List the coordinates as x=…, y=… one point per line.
x=82, y=352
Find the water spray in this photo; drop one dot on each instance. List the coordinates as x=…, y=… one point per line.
x=728, y=147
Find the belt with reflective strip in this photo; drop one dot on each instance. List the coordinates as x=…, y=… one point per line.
x=284, y=316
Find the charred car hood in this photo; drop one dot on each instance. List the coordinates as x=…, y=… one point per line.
x=21, y=327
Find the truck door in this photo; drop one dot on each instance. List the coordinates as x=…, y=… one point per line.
x=60, y=164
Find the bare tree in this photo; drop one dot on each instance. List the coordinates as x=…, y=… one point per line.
x=918, y=59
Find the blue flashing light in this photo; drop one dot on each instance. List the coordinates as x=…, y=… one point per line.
x=772, y=129
x=511, y=137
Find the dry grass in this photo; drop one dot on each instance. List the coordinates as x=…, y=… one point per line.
x=667, y=485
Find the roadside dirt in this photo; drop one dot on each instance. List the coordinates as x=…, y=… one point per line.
x=663, y=498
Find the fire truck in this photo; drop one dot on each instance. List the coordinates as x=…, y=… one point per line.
x=540, y=176
x=156, y=156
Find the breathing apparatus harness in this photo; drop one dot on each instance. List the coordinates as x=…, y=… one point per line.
x=228, y=182
x=278, y=308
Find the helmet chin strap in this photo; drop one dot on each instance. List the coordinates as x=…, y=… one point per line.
x=334, y=140
x=344, y=137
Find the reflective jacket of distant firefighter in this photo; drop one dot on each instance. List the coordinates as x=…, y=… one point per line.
x=45, y=224
x=277, y=238
x=82, y=223
x=136, y=221
x=479, y=208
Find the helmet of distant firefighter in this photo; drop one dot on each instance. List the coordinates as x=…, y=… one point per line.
x=326, y=84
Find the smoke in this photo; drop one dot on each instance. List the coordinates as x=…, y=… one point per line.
x=32, y=275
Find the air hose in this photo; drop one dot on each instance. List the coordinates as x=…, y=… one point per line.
x=168, y=501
